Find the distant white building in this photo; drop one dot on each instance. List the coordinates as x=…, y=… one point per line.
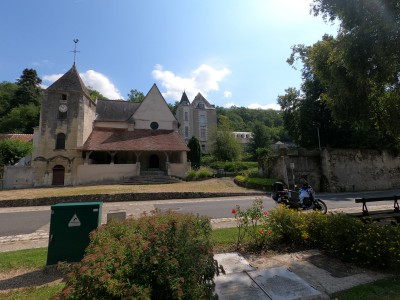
x=244, y=138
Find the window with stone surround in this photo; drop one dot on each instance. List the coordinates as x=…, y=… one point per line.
x=60, y=141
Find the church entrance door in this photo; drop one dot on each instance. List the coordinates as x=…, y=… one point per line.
x=58, y=175
x=154, y=162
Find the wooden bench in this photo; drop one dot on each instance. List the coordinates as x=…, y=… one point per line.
x=377, y=215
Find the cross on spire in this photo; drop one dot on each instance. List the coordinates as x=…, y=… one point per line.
x=75, y=41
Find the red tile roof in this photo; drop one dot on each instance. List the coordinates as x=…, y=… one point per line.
x=111, y=139
x=22, y=137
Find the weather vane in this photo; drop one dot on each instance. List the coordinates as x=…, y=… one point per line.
x=75, y=41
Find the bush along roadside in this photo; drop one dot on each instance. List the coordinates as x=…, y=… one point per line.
x=371, y=245
x=162, y=256
x=256, y=183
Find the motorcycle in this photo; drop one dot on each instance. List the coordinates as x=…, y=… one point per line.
x=303, y=199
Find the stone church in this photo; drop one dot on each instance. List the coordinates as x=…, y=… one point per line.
x=81, y=141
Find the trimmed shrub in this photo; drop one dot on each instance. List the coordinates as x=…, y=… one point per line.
x=191, y=175
x=163, y=256
x=204, y=173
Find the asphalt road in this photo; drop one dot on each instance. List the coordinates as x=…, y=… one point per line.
x=28, y=220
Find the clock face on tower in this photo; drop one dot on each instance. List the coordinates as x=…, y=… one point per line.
x=63, y=108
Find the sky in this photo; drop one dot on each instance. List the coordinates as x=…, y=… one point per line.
x=231, y=51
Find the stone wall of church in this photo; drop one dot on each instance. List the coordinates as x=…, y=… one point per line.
x=105, y=173
x=179, y=170
x=17, y=177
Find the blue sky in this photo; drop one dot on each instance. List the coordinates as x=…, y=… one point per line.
x=232, y=51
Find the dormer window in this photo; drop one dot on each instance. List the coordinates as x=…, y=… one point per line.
x=200, y=105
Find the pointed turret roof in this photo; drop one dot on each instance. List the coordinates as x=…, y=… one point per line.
x=184, y=99
x=70, y=81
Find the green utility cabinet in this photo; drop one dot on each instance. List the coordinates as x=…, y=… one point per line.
x=70, y=225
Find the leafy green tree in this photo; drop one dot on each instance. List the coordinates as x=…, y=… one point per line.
x=21, y=119
x=7, y=95
x=194, y=154
x=360, y=67
x=135, y=96
x=226, y=147
x=261, y=139
x=173, y=107
x=21, y=104
x=29, y=90
x=12, y=150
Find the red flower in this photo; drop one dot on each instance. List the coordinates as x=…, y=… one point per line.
x=269, y=232
x=234, y=211
x=266, y=212
x=260, y=231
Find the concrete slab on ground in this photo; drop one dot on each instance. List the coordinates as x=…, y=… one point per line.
x=244, y=282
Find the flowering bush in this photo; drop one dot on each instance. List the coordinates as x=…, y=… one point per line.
x=163, y=256
x=369, y=245
x=251, y=225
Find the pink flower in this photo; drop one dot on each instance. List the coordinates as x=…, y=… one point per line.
x=260, y=231
x=262, y=206
x=266, y=212
x=234, y=211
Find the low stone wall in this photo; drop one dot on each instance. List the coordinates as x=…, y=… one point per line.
x=338, y=170
x=46, y=201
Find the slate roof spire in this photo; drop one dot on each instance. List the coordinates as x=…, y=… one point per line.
x=185, y=99
x=70, y=81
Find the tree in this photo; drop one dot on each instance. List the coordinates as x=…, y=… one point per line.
x=261, y=139
x=360, y=67
x=135, y=96
x=20, y=103
x=29, y=90
x=309, y=114
x=173, y=107
x=12, y=150
x=226, y=147
x=7, y=95
x=194, y=154
x=21, y=119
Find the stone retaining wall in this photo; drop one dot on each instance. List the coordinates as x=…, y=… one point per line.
x=45, y=201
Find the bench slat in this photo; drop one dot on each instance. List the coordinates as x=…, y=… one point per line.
x=390, y=198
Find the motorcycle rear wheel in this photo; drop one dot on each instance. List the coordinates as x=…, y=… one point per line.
x=320, y=206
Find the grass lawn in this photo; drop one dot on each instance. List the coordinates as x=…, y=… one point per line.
x=217, y=185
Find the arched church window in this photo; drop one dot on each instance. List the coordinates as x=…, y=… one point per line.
x=60, y=141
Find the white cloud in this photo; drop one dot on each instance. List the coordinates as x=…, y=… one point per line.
x=255, y=106
x=101, y=83
x=51, y=78
x=268, y=106
x=227, y=94
x=204, y=79
x=94, y=80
